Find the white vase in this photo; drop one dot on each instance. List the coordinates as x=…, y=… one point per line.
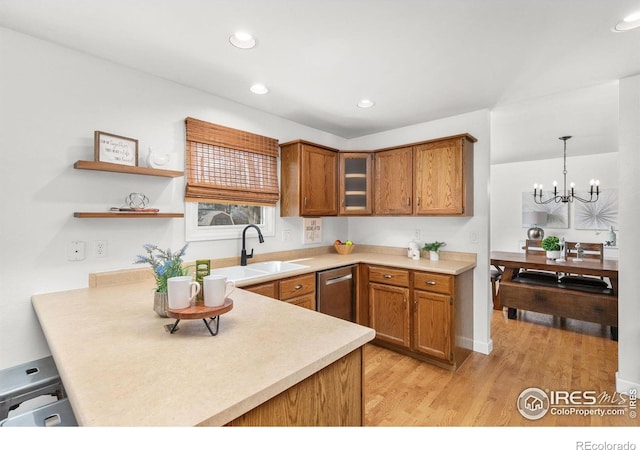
x=158, y=160
x=553, y=254
x=433, y=255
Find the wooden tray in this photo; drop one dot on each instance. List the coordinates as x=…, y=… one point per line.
x=200, y=312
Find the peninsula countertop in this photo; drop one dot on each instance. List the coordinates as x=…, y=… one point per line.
x=121, y=367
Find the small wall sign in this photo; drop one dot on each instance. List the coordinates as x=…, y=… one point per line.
x=115, y=149
x=312, y=230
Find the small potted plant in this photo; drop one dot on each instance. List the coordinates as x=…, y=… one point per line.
x=552, y=245
x=165, y=264
x=433, y=248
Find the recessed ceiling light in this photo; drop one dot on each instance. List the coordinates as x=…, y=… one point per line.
x=629, y=23
x=242, y=39
x=365, y=103
x=259, y=89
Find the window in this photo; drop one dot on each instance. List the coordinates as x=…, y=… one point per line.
x=232, y=181
x=212, y=221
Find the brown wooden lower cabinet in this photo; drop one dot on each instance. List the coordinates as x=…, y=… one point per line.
x=426, y=315
x=305, y=301
x=390, y=313
x=299, y=290
x=267, y=289
x=331, y=397
x=432, y=324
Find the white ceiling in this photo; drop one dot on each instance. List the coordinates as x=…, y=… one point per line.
x=418, y=60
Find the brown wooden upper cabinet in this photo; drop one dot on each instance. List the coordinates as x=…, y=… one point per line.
x=309, y=179
x=393, y=181
x=355, y=183
x=443, y=177
x=429, y=178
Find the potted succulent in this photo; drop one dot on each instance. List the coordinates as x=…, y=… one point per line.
x=165, y=264
x=552, y=245
x=433, y=248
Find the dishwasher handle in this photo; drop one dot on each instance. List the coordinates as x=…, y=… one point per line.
x=338, y=279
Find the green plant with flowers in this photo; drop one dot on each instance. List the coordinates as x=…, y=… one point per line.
x=164, y=263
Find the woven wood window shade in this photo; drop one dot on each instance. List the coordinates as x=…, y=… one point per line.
x=225, y=165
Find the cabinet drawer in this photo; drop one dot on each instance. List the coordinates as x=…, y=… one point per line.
x=385, y=275
x=266, y=289
x=433, y=282
x=297, y=286
x=306, y=301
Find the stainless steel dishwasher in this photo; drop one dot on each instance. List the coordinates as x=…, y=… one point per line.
x=336, y=292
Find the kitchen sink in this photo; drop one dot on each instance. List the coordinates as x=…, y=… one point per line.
x=276, y=266
x=238, y=273
x=242, y=273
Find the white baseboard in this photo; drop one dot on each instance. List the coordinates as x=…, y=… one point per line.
x=624, y=386
x=483, y=347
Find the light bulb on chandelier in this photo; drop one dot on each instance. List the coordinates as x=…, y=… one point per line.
x=566, y=196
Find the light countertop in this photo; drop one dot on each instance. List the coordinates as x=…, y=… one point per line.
x=316, y=259
x=454, y=266
x=121, y=368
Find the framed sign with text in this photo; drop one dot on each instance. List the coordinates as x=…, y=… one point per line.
x=115, y=149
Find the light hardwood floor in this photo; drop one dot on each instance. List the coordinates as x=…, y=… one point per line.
x=534, y=351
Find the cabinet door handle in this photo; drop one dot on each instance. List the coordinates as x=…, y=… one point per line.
x=408, y=201
x=387, y=276
x=431, y=283
x=418, y=203
x=415, y=305
x=305, y=201
x=297, y=286
x=404, y=301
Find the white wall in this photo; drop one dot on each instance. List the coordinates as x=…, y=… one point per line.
x=510, y=180
x=628, y=376
x=52, y=100
x=458, y=232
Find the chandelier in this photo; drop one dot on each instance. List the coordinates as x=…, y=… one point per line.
x=566, y=197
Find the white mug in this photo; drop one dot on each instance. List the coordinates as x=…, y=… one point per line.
x=216, y=290
x=180, y=290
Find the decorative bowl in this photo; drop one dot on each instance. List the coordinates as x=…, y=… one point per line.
x=343, y=249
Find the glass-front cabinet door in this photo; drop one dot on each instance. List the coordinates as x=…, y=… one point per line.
x=355, y=183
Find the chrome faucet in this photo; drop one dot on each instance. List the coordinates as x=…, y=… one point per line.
x=243, y=255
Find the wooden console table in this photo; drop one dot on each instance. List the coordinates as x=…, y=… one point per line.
x=590, y=306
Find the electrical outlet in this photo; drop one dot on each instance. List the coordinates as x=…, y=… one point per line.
x=286, y=235
x=76, y=251
x=100, y=249
x=416, y=234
